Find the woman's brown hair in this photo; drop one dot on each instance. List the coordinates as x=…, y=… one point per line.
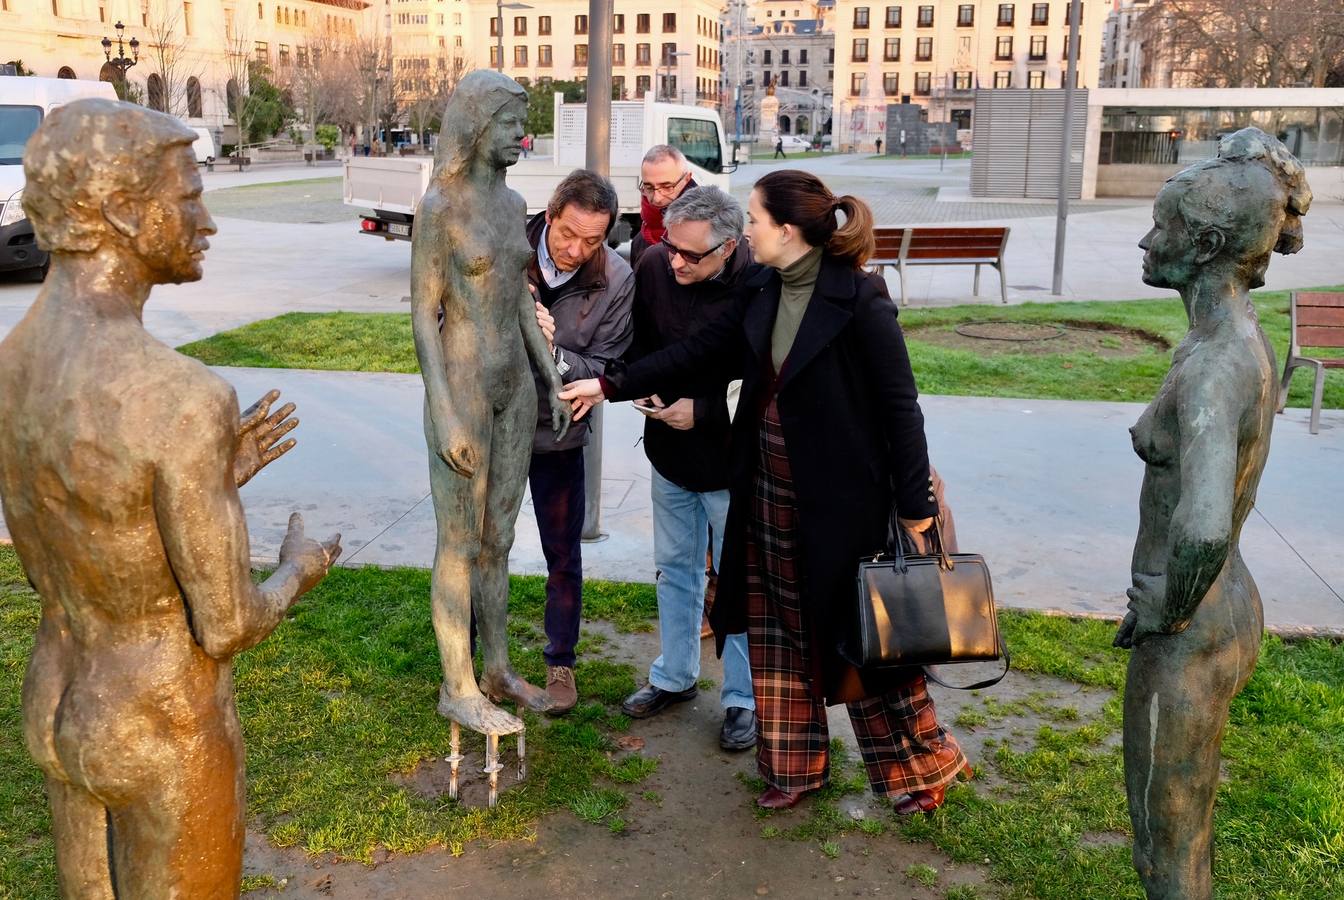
x=801, y=199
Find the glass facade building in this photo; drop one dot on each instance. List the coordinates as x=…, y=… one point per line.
x=1179, y=136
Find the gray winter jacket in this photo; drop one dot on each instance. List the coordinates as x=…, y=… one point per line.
x=593, y=325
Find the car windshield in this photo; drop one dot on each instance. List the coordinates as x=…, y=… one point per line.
x=17, y=124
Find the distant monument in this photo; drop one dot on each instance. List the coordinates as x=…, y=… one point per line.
x=475, y=327
x=120, y=462
x=1195, y=618
x=770, y=113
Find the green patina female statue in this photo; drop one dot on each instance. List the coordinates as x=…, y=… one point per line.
x=475, y=328
x=1195, y=617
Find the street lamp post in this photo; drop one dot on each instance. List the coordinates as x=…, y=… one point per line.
x=121, y=63
x=668, y=63
x=500, y=6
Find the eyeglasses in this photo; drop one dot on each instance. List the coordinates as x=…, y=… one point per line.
x=692, y=258
x=649, y=190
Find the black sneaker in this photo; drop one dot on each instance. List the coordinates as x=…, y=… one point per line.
x=739, y=729
x=650, y=700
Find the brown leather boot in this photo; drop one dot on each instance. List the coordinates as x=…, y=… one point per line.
x=561, y=689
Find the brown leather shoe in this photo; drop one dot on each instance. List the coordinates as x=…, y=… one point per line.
x=774, y=798
x=930, y=800
x=561, y=689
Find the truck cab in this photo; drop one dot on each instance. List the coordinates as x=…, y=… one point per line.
x=23, y=103
x=392, y=186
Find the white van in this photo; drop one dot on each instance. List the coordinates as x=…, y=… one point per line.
x=23, y=103
x=204, y=145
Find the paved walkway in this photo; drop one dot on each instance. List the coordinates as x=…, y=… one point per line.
x=1046, y=490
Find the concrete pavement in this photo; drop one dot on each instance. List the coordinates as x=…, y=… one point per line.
x=1046, y=490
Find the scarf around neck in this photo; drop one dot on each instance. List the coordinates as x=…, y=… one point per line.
x=651, y=221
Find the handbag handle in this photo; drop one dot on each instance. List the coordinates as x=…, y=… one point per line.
x=896, y=543
x=988, y=682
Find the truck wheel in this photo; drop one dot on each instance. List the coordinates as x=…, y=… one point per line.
x=39, y=273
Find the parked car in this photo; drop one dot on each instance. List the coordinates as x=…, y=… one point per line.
x=204, y=145
x=793, y=142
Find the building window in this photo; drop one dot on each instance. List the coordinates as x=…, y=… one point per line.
x=262, y=51
x=1066, y=46
x=669, y=55
x=830, y=56
x=642, y=24
x=519, y=26
x=765, y=78
x=544, y=55
x=1003, y=79
x=186, y=22
x=1040, y=13
x=1003, y=47
x=1037, y=47
x=1064, y=78
x=1068, y=8
x=860, y=17
x=1036, y=79
x=193, y=94
x=961, y=81
x=618, y=23
x=860, y=50
x=923, y=49
x=925, y=19
x=857, y=82
x=962, y=119
x=618, y=87
x=494, y=26
x=802, y=57
x=641, y=86
x=891, y=84
x=965, y=15
x=784, y=57
x=891, y=50
x=893, y=17
x=768, y=57
x=784, y=78
x=669, y=23
x=520, y=56
x=802, y=78
x=618, y=54
x=922, y=84
x=1006, y=14
x=543, y=24
x=643, y=54
x=494, y=56
x=580, y=24
x=580, y=54
x=284, y=55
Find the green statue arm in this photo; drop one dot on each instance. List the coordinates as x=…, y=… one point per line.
x=200, y=517
x=535, y=341
x=1201, y=525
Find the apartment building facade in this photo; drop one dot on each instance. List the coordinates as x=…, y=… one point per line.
x=937, y=53
x=784, y=49
x=1122, y=46
x=62, y=39
x=672, y=48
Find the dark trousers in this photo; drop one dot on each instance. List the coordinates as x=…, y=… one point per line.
x=556, y=480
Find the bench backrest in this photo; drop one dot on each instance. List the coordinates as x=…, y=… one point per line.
x=940, y=243
x=1318, y=319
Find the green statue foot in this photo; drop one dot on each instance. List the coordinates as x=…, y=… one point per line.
x=508, y=685
x=472, y=710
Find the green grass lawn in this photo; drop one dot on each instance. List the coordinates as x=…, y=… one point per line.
x=339, y=702
x=381, y=342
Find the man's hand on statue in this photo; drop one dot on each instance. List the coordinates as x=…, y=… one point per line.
x=583, y=395
x=680, y=415
x=546, y=321
x=259, y=434
x=562, y=416
x=311, y=559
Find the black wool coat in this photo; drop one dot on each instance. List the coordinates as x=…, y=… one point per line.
x=853, y=430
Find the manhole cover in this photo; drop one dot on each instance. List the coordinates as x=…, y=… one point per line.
x=1009, y=331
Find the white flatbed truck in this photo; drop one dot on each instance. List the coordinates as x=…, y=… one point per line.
x=391, y=187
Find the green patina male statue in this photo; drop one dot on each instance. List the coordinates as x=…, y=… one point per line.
x=120, y=462
x=475, y=327
x=1195, y=617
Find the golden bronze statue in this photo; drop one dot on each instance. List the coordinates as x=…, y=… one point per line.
x=120, y=462
x=1195, y=617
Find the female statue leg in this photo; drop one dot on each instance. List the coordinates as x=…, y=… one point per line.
x=79, y=825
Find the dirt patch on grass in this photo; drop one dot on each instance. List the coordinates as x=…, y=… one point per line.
x=1038, y=338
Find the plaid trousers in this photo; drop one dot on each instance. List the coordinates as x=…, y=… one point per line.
x=904, y=748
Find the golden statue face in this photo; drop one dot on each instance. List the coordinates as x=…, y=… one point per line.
x=173, y=222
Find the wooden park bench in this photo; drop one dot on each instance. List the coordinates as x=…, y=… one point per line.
x=902, y=247
x=1315, y=319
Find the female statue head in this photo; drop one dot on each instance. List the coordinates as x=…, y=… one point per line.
x=484, y=117
x=1227, y=214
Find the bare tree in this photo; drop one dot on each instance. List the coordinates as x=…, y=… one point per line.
x=169, y=59
x=425, y=98
x=238, y=61
x=319, y=82
x=369, y=60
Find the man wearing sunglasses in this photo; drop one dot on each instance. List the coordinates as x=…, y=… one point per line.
x=664, y=175
x=682, y=283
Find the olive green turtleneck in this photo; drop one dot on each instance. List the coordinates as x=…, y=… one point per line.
x=798, y=280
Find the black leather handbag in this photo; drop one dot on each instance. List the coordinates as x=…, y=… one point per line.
x=924, y=610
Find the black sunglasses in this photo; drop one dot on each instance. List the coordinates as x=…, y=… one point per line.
x=692, y=258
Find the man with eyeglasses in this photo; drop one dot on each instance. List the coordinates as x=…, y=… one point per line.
x=683, y=283
x=664, y=175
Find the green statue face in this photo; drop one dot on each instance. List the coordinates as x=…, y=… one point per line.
x=1170, y=250
x=503, y=142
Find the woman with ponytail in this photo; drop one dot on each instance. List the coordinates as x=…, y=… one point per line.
x=827, y=437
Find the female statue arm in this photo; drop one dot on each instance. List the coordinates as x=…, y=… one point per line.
x=561, y=412
x=428, y=283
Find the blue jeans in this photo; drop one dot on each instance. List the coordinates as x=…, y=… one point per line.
x=681, y=523
x=556, y=480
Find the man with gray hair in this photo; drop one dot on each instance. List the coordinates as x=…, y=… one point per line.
x=664, y=175
x=684, y=282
